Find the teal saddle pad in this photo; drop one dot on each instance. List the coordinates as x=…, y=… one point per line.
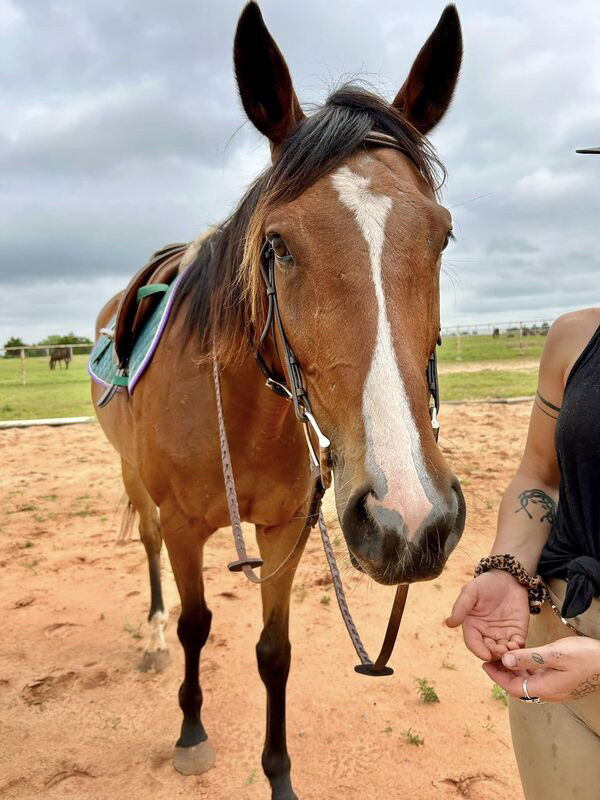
x=102, y=364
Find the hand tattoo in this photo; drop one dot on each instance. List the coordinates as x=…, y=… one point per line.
x=538, y=497
x=586, y=687
x=537, y=658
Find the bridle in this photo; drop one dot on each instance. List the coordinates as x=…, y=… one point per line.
x=291, y=386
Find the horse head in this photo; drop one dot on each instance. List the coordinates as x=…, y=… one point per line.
x=358, y=231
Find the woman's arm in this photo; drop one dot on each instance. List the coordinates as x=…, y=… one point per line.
x=493, y=608
x=528, y=506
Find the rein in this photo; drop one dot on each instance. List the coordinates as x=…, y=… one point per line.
x=293, y=389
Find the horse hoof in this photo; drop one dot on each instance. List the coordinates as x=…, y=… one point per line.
x=157, y=660
x=194, y=760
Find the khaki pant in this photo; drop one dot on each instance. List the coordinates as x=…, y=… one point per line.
x=557, y=745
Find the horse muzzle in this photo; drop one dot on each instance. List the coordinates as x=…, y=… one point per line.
x=379, y=544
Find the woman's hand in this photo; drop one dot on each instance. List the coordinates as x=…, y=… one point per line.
x=559, y=672
x=493, y=610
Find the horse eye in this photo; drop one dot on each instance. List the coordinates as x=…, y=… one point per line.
x=449, y=236
x=280, y=249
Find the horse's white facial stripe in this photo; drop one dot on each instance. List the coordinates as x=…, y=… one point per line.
x=394, y=454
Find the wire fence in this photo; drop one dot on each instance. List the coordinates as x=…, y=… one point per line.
x=530, y=327
x=500, y=331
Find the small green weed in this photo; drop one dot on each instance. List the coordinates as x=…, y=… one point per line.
x=412, y=737
x=325, y=600
x=426, y=691
x=498, y=693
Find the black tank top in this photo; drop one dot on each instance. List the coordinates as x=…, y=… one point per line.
x=573, y=548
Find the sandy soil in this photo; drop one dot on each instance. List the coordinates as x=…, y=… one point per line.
x=79, y=720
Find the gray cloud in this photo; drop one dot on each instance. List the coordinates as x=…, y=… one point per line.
x=120, y=130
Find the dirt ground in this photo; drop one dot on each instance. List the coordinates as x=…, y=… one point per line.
x=80, y=720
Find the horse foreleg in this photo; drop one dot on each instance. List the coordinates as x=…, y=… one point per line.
x=156, y=654
x=193, y=751
x=273, y=651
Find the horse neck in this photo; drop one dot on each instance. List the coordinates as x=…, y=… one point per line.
x=267, y=421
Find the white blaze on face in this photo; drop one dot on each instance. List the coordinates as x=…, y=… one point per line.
x=394, y=454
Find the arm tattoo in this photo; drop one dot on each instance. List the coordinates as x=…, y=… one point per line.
x=546, y=407
x=537, y=497
x=586, y=687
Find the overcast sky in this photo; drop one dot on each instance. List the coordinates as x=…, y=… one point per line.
x=120, y=131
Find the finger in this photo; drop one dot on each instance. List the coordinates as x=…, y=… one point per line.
x=517, y=640
x=474, y=642
x=550, y=685
x=512, y=683
x=533, y=658
x=514, y=644
x=464, y=604
x=497, y=649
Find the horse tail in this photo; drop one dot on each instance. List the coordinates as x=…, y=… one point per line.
x=127, y=522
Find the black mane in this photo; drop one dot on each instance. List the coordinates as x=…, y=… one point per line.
x=219, y=286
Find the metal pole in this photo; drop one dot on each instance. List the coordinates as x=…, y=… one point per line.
x=23, y=375
x=520, y=338
x=458, y=356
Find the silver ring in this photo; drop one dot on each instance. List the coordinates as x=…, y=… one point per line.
x=528, y=698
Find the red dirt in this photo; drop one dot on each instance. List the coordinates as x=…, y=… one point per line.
x=79, y=720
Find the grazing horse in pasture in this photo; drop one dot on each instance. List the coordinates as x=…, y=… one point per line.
x=58, y=355
x=349, y=207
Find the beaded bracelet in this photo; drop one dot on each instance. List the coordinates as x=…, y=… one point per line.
x=536, y=588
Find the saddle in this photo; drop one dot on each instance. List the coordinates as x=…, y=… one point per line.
x=126, y=346
x=142, y=295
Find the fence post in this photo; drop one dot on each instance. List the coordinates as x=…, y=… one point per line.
x=23, y=375
x=458, y=355
x=520, y=338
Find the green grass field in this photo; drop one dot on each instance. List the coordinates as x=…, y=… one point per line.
x=486, y=348
x=487, y=384
x=47, y=393
x=66, y=393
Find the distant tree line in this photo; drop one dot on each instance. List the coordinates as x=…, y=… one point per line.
x=55, y=339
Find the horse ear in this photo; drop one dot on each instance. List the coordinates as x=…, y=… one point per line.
x=263, y=78
x=428, y=90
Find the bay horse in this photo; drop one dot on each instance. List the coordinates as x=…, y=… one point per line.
x=58, y=355
x=357, y=234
